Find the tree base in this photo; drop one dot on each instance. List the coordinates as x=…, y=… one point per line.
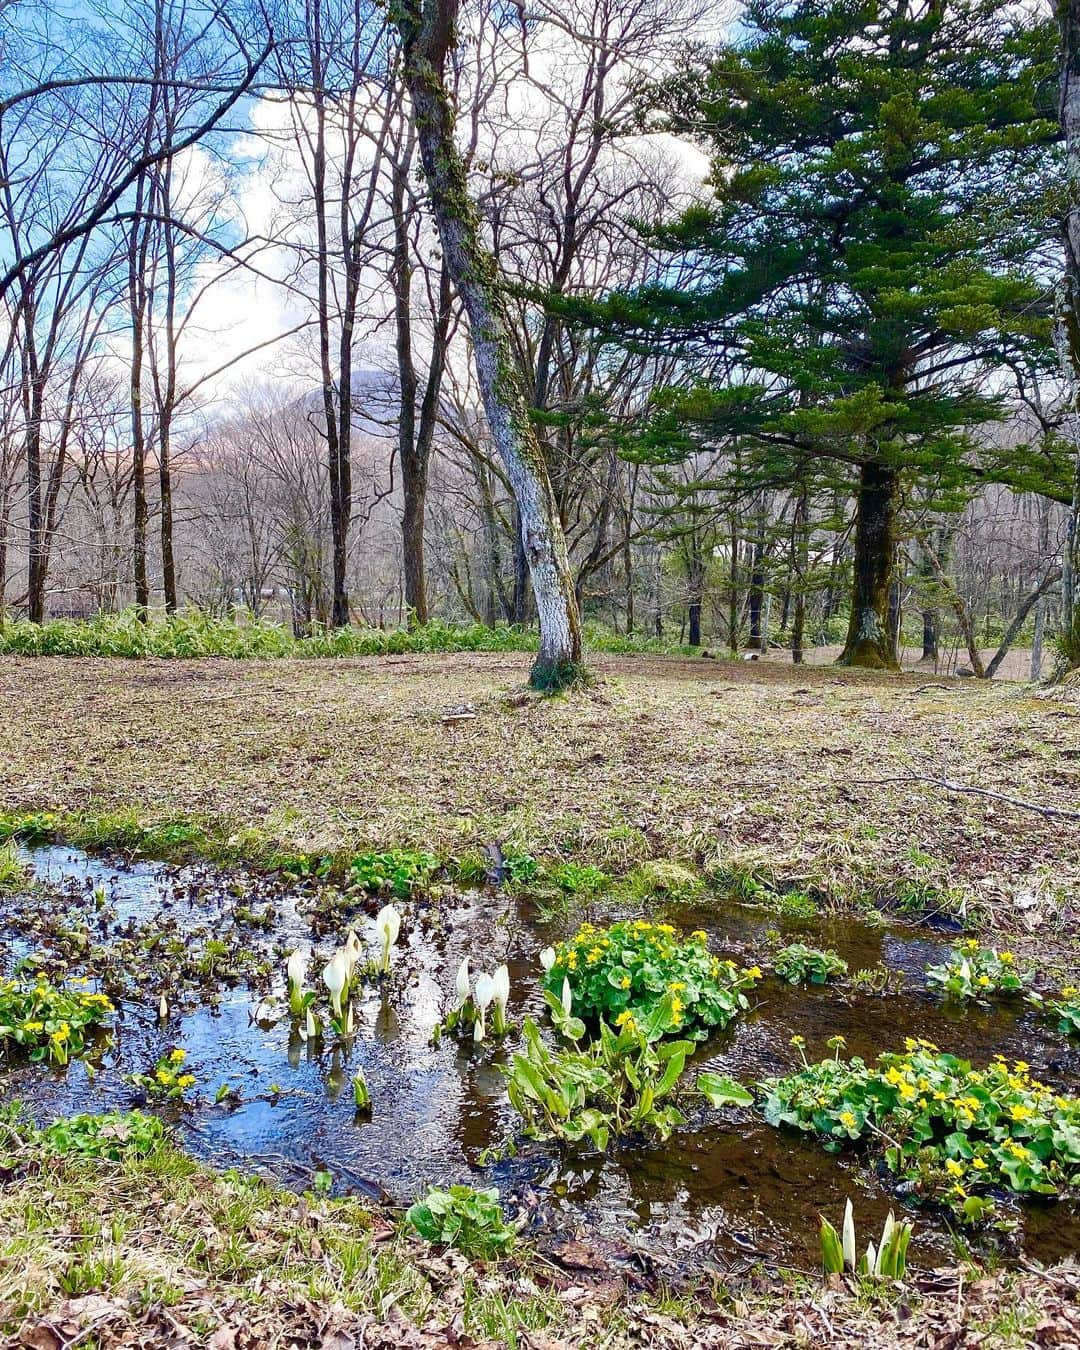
x=552, y=677
x=868, y=656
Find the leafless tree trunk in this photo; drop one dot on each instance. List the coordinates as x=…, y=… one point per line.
x=1069, y=11
x=427, y=32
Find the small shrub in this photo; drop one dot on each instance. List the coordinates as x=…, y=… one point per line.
x=641, y=967
x=974, y=972
x=470, y=1220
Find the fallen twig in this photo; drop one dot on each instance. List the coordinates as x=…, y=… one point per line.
x=949, y=786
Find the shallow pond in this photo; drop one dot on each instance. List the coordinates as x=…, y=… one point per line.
x=726, y=1190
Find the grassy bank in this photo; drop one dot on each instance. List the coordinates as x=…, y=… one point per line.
x=759, y=778
x=193, y=635
x=156, y=1250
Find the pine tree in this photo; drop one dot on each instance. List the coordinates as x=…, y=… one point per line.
x=871, y=252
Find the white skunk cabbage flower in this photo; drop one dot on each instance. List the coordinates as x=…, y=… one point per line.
x=336, y=977
x=461, y=984
x=567, y=997
x=295, y=969
x=312, y=1028
x=387, y=926
x=547, y=957
x=485, y=992
x=849, y=1237
x=163, y=1008
x=501, y=980
x=353, y=949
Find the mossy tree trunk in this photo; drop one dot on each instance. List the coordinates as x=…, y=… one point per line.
x=427, y=33
x=1069, y=18
x=869, y=642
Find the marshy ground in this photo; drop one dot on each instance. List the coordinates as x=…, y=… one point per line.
x=803, y=791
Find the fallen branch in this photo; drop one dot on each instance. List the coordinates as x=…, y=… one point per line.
x=949, y=786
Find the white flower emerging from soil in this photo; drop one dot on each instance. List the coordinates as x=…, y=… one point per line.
x=353, y=949
x=547, y=957
x=295, y=970
x=501, y=981
x=387, y=926
x=163, y=1008
x=336, y=977
x=567, y=996
x=485, y=992
x=461, y=984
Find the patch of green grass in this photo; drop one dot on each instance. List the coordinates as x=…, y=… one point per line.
x=14, y=873
x=194, y=635
x=669, y=880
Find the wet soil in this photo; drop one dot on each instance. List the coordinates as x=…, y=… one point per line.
x=726, y=1191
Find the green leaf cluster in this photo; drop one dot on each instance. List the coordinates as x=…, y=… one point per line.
x=461, y=1217
x=642, y=971
x=49, y=1021
x=800, y=964
x=952, y=1131
x=976, y=972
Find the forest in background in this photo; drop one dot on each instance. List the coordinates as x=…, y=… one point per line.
x=783, y=289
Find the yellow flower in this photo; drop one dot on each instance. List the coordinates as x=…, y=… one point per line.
x=594, y=955
x=185, y=1080
x=1020, y=1112
x=848, y=1118
x=953, y=1168
x=177, y=1056
x=624, y=983
x=677, y=1006
x=1006, y=958
x=1021, y=1066
x=163, y=1076
x=1069, y=991
x=983, y=981
x=33, y=1027
x=906, y=1091
x=676, y=987
x=625, y=1018
x=978, y=1164
x=754, y=973
x=700, y=935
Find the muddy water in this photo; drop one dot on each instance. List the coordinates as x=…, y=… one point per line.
x=726, y=1190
